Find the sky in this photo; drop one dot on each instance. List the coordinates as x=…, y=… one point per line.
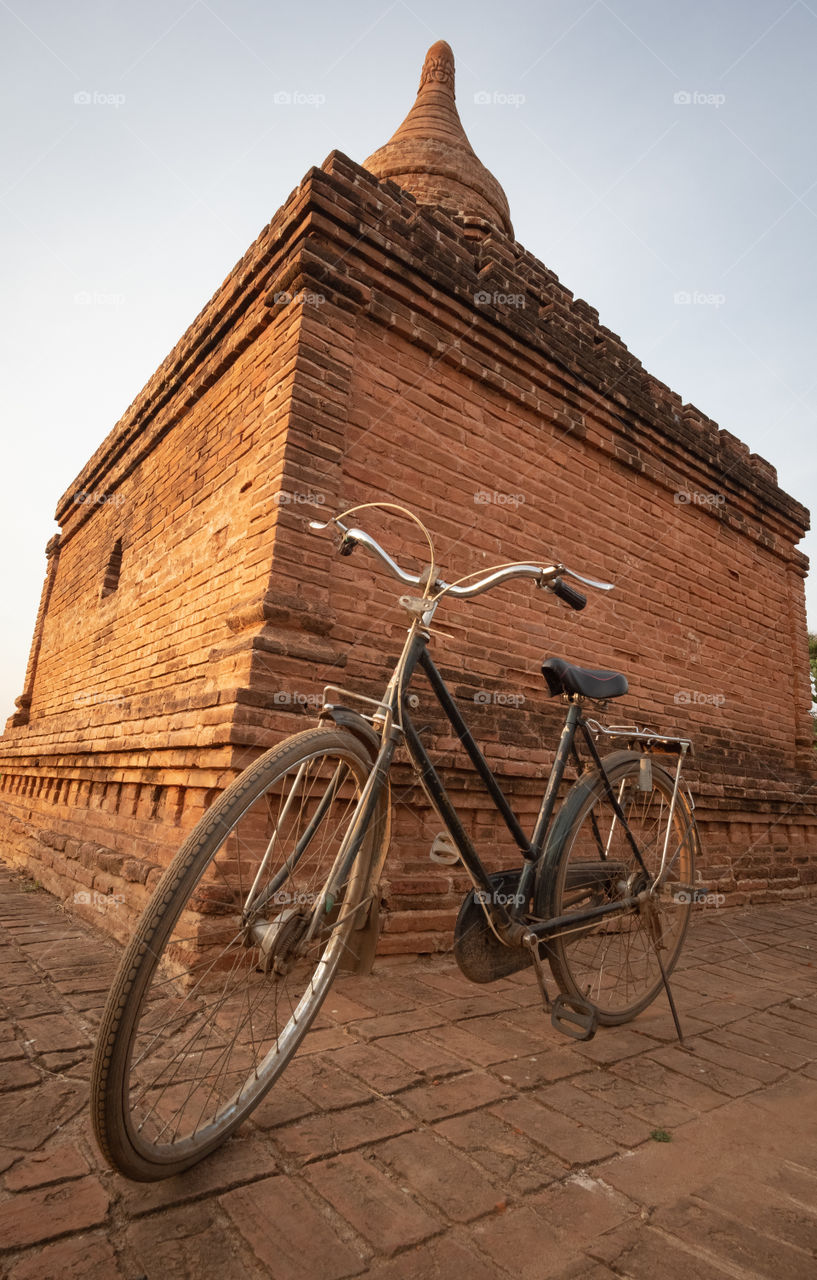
x=658, y=157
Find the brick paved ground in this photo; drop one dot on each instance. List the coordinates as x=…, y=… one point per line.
x=435, y=1129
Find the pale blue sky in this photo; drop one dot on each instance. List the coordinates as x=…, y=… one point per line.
x=659, y=149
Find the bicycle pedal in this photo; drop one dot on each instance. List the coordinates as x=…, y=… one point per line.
x=574, y=1017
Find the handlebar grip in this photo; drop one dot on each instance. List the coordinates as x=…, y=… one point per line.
x=347, y=544
x=569, y=594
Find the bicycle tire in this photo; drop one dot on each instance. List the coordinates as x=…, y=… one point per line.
x=138, y=1021
x=611, y=963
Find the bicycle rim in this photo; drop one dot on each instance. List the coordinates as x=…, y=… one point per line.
x=233, y=957
x=612, y=963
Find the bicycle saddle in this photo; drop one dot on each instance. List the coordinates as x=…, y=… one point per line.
x=562, y=677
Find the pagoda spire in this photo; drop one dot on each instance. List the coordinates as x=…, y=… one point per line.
x=430, y=155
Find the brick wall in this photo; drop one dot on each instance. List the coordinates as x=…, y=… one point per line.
x=457, y=376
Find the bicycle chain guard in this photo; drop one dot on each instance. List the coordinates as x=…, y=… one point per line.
x=477, y=950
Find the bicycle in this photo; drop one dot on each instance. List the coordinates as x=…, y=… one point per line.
x=278, y=884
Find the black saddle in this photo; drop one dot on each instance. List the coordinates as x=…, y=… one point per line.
x=562, y=677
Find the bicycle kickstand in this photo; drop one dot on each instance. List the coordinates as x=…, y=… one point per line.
x=647, y=906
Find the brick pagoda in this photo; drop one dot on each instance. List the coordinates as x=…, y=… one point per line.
x=385, y=338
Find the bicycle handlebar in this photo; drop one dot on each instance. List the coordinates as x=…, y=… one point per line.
x=549, y=576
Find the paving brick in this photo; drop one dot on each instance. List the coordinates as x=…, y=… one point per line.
x=771, y=1210
x=564, y=1136
x=377, y=1207
x=749, y=1065
x=17, y=1074
x=641, y=1253
x=420, y=1053
x=395, y=1024
x=539, y=1068
x=620, y=1127
x=453, y=1095
x=468, y=1046
x=774, y=1054
x=241, y=1159
x=281, y=1106
x=679, y=1088
x=512, y=1161
x=319, y=1080
x=75, y=1258
x=613, y=1044
x=34, y=1216
x=722, y=1238
x=432, y=1169
x=625, y=1096
x=288, y=1234
x=191, y=1243
x=553, y=1228
x=29, y=1116
x=443, y=1259
x=334, y=1131
x=475, y=1004
x=377, y=1067
x=53, y=1032
x=703, y=1070
x=56, y=1165
x=498, y=1037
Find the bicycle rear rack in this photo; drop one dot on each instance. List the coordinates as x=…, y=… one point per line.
x=643, y=739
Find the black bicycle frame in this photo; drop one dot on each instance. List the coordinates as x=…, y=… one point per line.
x=532, y=850
x=507, y=920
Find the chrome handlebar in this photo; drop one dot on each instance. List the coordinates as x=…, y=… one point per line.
x=543, y=575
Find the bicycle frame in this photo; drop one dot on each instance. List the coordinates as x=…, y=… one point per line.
x=393, y=718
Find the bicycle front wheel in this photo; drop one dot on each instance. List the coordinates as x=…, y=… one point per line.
x=233, y=956
x=612, y=962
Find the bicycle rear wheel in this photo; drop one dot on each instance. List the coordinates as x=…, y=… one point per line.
x=233, y=956
x=611, y=963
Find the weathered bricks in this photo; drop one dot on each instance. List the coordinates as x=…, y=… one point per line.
x=523, y=430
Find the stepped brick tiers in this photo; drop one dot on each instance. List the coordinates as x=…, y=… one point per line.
x=385, y=338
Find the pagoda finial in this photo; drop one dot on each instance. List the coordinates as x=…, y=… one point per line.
x=431, y=157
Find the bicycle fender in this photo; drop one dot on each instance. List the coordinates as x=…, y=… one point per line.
x=345, y=718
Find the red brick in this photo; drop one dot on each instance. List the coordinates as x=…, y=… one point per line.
x=335, y=1131
x=76, y=1258
x=401, y=385
x=47, y=1166
x=432, y=1169
x=33, y=1216
x=380, y=1209
x=300, y=1234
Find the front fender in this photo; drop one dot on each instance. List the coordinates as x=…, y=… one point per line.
x=345, y=718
